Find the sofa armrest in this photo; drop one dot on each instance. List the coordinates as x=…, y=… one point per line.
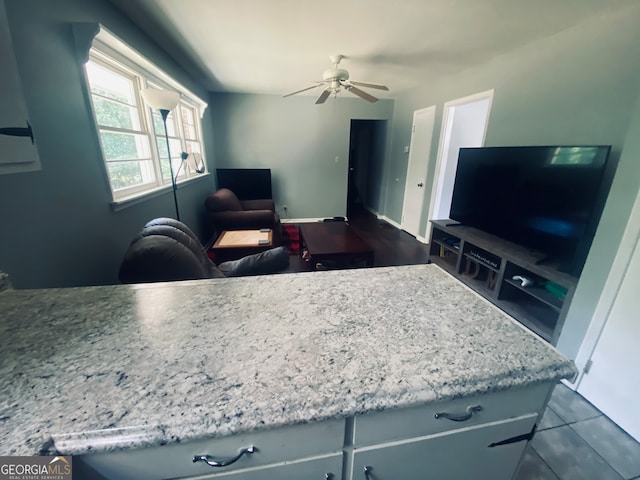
x=261, y=204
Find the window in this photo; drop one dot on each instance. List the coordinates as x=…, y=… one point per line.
x=132, y=135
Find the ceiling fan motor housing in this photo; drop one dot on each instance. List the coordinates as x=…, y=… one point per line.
x=335, y=74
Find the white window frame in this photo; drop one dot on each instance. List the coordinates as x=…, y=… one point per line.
x=111, y=53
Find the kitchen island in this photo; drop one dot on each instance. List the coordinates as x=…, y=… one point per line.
x=112, y=372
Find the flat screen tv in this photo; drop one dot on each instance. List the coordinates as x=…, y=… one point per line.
x=246, y=183
x=547, y=198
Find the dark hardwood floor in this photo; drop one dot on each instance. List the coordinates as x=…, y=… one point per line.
x=391, y=245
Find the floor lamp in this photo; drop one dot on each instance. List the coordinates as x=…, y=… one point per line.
x=164, y=101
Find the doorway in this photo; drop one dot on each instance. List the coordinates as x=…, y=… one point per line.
x=609, y=351
x=464, y=124
x=417, y=166
x=367, y=140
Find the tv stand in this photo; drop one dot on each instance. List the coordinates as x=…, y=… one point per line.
x=487, y=264
x=545, y=259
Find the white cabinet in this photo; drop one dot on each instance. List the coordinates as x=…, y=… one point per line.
x=449, y=440
x=324, y=468
x=461, y=454
x=398, y=424
x=274, y=448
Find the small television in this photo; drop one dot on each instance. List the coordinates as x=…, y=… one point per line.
x=546, y=198
x=246, y=183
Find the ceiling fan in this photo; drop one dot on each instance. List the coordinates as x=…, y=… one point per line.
x=337, y=79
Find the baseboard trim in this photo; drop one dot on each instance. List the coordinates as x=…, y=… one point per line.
x=399, y=227
x=389, y=221
x=301, y=220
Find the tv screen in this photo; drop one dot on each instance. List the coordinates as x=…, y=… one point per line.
x=246, y=183
x=548, y=198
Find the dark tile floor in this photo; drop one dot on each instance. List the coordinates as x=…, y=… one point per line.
x=575, y=441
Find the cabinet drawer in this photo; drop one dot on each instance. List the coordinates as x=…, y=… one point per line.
x=176, y=461
x=329, y=467
x=416, y=421
x=464, y=454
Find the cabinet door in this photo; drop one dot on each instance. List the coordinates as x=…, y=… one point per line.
x=325, y=468
x=458, y=455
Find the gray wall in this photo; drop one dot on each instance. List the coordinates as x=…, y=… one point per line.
x=58, y=228
x=576, y=87
x=305, y=145
x=604, y=248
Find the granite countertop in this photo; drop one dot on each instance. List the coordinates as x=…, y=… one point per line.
x=105, y=368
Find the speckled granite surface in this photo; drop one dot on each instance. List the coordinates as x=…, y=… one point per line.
x=5, y=283
x=102, y=368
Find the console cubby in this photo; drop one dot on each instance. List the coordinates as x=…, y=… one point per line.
x=445, y=251
x=487, y=264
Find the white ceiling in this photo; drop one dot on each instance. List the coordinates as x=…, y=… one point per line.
x=279, y=46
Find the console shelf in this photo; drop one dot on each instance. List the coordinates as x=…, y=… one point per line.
x=487, y=264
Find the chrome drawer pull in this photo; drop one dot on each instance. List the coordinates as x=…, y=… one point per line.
x=223, y=463
x=460, y=418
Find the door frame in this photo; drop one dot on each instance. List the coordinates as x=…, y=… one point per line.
x=378, y=128
x=617, y=273
x=431, y=110
x=442, y=158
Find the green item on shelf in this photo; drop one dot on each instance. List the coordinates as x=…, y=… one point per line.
x=555, y=289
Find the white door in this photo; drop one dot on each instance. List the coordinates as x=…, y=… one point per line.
x=611, y=383
x=419, y=150
x=464, y=124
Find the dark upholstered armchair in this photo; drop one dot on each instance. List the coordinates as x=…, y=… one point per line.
x=226, y=212
x=167, y=250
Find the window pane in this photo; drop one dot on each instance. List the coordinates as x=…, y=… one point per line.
x=110, y=84
x=166, y=174
x=129, y=174
x=188, y=123
x=124, y=146
x=114, y=114
x=174, y=144
x=176, y=158
x=158, y=126
x=193, y=147
x=127, y=126
x=195, y=162
x=189, y=132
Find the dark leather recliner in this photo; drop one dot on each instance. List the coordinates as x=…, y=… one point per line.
x=167, y=250
x=227, y=212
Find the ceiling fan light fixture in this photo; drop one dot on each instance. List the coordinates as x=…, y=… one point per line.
x=337, y=79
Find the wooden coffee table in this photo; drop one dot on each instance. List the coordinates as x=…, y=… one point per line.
x=333, y=244
x=235, y=244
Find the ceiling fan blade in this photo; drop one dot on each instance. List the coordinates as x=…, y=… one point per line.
x=303, y=90
x=370, y=85
x=323, y=96
x=362, y=94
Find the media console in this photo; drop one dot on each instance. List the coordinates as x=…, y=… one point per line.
x=488, y=264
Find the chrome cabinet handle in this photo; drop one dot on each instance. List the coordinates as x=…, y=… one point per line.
x=328, y=476
x=209, y=460
x=367, y=473
x=460, y=418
